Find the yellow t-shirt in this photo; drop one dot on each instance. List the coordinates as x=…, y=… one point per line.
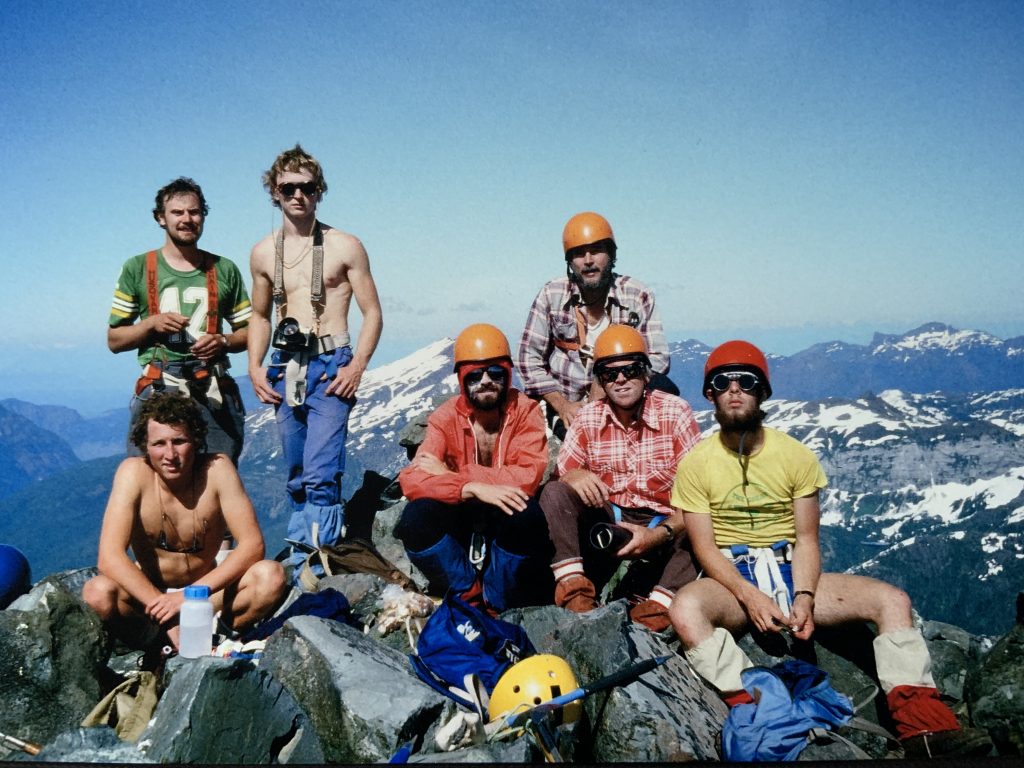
x=709, y=481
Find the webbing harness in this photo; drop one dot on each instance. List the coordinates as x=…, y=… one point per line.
x=763, y=563
x=316, y=287
x=581, y=333
x=617, y=514
x=155, y=371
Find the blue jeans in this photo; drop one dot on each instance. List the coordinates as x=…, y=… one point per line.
x=313, y=442
x=313, y=434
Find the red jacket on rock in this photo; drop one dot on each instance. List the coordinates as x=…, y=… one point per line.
x=520, y=456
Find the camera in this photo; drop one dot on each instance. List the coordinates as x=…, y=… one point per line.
x=289, y=336
x=609, y=537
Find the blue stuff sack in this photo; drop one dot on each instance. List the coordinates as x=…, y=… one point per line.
x=459, y=640
x=791, y=699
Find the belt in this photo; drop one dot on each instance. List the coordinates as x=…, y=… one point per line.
x=327, y=344
x=193, y=369
x=782, y=550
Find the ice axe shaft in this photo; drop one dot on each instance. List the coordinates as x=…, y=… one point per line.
x=24, y=746
x=627, y=675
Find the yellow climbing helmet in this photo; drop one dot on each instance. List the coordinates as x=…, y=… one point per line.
x=533, y=681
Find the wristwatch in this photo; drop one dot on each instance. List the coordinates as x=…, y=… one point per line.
x=669, y=528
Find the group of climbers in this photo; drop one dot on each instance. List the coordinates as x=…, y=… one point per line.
x=633, y=481
x=742, y=503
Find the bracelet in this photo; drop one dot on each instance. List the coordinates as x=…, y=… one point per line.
x=669, y=528
x=803, y=592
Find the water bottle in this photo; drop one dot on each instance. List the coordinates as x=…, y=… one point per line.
x=196, y=623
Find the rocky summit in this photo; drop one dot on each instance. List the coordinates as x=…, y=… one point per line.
x=327, y=691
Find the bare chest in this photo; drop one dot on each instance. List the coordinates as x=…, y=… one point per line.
x=486, y=445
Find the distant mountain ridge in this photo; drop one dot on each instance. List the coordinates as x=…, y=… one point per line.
x=932, y=358
x=926, y=486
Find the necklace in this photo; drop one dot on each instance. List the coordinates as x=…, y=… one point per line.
x=161, y=542
x=279, y=243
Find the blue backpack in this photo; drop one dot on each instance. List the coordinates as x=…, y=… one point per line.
x=459, y=640
x=792, y=699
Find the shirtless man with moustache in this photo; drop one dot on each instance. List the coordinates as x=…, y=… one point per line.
x=309, y=271
x=172, y=507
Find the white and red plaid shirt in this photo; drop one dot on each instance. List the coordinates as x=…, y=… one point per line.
x=637, y=464
x=544, y=367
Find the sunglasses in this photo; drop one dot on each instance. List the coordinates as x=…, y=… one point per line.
x=308, y=188
x=496, y=373
x=748, y=382
x=606, y=374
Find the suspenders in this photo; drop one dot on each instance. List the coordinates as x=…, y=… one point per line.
x=316, y=288
x=153, y=296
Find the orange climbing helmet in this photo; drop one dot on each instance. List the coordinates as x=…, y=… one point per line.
x=586, y=228
x=620, y=342
x=480, y=342
x=737, y=355
x=477, y=345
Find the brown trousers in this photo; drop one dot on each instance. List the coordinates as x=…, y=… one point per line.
x=569, y=522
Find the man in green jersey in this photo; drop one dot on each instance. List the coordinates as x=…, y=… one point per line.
x=171, y=305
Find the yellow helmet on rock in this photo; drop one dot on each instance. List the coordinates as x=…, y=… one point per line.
x=531, y=682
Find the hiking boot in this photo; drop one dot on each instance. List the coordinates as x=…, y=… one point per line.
x=965, y=742
x=577, y=593
x=651, y=614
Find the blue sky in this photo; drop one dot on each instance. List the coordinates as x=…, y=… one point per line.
x=789, y=172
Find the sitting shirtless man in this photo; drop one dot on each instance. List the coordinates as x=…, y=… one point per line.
x=172, y=506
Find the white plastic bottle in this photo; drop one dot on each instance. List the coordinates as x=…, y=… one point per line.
x=196, y=623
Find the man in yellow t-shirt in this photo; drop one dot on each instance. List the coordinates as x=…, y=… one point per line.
x=750, y=498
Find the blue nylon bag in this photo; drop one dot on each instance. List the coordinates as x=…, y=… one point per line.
x=459, y=640
x=791, y=698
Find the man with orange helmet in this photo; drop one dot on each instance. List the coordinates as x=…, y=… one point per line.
x=556, y=349
x=473, y=482
x=616, y=467
x=750, y=500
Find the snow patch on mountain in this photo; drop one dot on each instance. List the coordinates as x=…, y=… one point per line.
x=947, y=502
x=936, y=337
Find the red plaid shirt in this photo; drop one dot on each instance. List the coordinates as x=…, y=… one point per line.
x=638, y=464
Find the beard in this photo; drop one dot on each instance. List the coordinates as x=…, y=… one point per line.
x=486, y=399
x=184, y=238
x=747, y=421
x=601, y=283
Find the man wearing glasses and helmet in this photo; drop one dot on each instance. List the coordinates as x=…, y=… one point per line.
x=611, y=502
x=556, y=349
x=306, y=274
x=750, y=500
x=472, y=523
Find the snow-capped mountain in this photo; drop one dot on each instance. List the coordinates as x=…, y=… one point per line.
x=932, y=358
x=921, y=436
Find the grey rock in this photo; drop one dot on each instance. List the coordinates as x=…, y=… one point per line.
x=384, y=540
x=667, y=715
x=227, y=711
x=52, y=656
x=519, y=750
x=91, y=745
x=362, y=697
x=994, y=692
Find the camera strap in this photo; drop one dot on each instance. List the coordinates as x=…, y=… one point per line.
x=316, y=287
